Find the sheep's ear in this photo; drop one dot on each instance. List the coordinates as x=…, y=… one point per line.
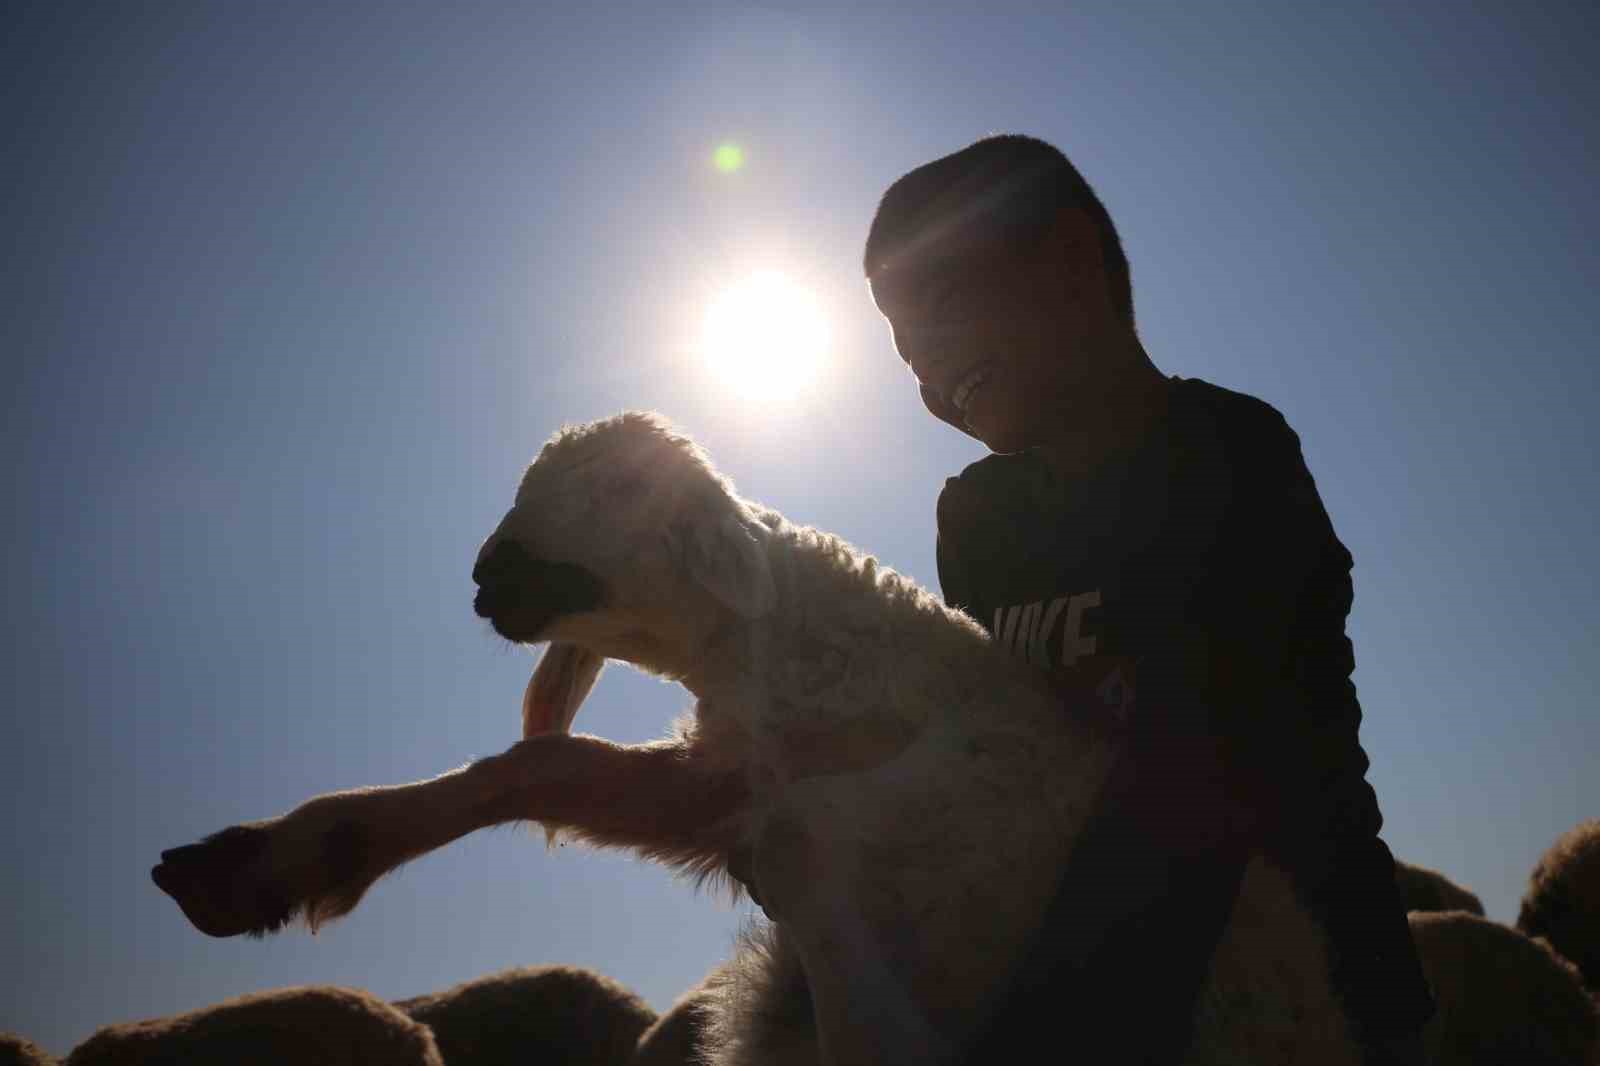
x=728, y=555
x=560, y=682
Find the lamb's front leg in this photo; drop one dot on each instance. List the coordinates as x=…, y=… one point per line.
x=318, y=860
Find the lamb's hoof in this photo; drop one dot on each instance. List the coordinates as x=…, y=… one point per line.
x=213, y=884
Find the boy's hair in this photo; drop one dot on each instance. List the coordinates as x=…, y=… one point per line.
x=1008, y=184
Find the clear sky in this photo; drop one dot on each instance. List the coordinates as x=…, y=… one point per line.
x=294, y=291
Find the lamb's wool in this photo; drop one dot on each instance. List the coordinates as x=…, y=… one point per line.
x=913, y=788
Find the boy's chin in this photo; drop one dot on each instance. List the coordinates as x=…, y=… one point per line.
x=1001, y=439
x=999, y=422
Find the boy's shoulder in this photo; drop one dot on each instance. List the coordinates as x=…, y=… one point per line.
x=1201, y=418
x=1229, y=415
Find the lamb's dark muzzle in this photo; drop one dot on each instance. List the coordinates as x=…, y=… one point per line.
x=505, y=563
x=521, y=595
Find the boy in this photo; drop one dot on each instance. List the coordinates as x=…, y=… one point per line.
x=1158, y=544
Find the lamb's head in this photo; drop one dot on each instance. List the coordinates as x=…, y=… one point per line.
x=623, y=543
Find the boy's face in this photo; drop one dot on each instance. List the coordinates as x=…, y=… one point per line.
x=1001, y=337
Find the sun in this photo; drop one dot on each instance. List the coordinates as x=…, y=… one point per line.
x=765, y=339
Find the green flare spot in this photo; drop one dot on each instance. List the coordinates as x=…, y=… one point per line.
x=728, y=158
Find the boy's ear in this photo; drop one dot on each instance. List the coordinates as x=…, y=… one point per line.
x=727, y=554
x=1072, y=245
x=1075, y=233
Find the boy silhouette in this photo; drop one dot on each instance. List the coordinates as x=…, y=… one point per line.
x=1159, y=545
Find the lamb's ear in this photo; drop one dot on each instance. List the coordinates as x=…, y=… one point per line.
x=728, y=555
x=562, y=679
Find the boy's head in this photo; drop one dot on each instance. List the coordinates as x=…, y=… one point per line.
x=1010, y=186
x=998, y=252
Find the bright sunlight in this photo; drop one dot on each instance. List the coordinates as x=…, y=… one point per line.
x=765, y=338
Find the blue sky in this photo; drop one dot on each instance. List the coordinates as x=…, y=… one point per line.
x=296, y=292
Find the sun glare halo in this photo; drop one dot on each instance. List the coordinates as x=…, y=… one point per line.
x=765, y=338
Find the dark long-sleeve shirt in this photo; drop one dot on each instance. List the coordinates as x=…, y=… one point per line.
x=1194, y=591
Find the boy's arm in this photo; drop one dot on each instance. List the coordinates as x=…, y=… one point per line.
x=1278, y=665
x=1264, y=651
x=954, y=584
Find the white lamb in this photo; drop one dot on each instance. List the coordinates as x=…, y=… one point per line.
x=906, y=793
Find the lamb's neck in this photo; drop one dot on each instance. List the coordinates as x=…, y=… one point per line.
x=834, y=606
x=721, y=659
x=836, y=602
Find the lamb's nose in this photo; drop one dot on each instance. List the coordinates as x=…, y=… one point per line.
x=506, y=560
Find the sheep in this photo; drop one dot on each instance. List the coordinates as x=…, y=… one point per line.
x=559, y=1015
x=1502, y=996
x=19, y=1051
x=1562, y=903
x=676, y=1038
x=309, y=1026
x=906, y=792
x=1423, y=889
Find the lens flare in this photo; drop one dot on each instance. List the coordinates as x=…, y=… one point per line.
x=765, y=339
x=728, y=157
